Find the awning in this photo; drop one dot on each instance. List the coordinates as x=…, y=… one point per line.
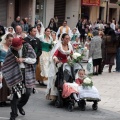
x=90, y=2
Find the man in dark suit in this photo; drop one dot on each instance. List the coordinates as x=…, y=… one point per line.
x=34, y=42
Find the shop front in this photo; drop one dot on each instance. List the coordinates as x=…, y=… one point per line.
x=90, y=9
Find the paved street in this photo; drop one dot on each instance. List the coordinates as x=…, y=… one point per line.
x=38, y=108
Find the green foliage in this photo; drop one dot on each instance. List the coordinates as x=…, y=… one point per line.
x=87, y=85
x=77, y=60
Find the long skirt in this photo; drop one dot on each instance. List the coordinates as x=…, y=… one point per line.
x=4, y=92
x=38, y=73
x=51, y=92
x=44, y=63
x=86, y=55
x=109, y=59
x=118, y=60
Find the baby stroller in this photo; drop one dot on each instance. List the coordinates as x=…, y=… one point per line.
x=67, y=72
x=83, y=100
x=88, y=93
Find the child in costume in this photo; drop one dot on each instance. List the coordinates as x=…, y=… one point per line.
x=73, y=88
x=82, y=88
x=86, y=47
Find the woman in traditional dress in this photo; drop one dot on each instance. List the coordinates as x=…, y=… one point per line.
x=4, y=46
x=39, y=30
x=10, y=30
x=74, y=34
x=46, y=42
x=60, y=54
x=52, y=25
x=42, y=26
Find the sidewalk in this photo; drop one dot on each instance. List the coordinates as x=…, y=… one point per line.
x=108, y=85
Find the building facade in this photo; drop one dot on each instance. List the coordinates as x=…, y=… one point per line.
x=70, y=10
x=107, y=10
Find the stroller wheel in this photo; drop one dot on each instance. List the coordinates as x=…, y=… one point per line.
x=58, y=104
x=79, y=104
x=82, y=105
x=70, y=107
x=94, y=106
x=83, y=108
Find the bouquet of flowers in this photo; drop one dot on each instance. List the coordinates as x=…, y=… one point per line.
x=77, y=46
x=87, y=82
x=53, y=43
x=75, y=58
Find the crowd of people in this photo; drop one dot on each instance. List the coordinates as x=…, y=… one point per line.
x=29, y=53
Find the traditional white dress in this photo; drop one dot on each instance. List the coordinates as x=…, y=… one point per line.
x=45, y=57
x=87, y=92
x=86, y=52
x=51, y=91
x=90, y=93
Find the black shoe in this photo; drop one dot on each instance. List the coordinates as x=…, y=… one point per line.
x=96, y=73
x=42, y=84
x=16, y=115
x=21, y=111
x=93, y=73
x=34, y=90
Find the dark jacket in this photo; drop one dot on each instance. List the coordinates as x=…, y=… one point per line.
x=2, y=30
x=110, y=32
x=110, y=41
x=36, y=44
x=15, y=23
x=54, y=28
x=80, y=29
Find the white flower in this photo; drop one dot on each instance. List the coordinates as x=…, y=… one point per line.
x=87, y=80
x=76, y=55
x=80, y=46
x=54, y=42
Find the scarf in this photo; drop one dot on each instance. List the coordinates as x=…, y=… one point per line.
x=31, y=38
